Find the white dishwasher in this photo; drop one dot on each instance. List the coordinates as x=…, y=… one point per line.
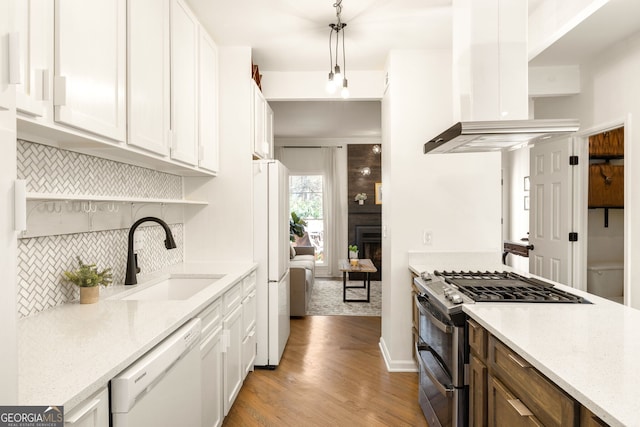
x=163, y=387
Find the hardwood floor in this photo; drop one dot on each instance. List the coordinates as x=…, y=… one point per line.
x=331, y=373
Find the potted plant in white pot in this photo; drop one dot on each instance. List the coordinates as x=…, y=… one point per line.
x=88, y=278
x=353, y=254
x=360, y=198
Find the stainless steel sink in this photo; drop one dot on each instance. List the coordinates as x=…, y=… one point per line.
x=173, y=288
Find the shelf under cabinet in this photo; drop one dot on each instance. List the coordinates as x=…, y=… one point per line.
x=94, y=198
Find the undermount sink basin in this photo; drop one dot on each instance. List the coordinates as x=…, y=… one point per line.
x=173, y=288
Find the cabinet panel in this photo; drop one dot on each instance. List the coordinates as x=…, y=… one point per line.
x=212, y=379
x=588, y=419
x=248, y=352
x=93, y=412
x=148, y=75
x=89, y=84
x=477, y=339
x=232, y=358
x=507, y=411
x=184, y=83
x=477, y=393
x=259, y=147
x=33, y=23
x=249, y=313
x=208, y=104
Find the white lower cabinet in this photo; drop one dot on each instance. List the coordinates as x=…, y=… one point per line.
x=232, y=359
x=92, y=412
x=211, y=353
x=249, y=332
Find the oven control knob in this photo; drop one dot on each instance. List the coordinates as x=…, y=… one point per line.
x=456, y=299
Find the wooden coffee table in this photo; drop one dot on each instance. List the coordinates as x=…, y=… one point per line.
x=364, y=266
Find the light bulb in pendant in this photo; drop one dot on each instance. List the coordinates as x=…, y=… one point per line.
x=345, y=89
x=331, y=84
x=337, y=77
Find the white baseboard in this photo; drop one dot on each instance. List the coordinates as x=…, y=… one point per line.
x=396, y=365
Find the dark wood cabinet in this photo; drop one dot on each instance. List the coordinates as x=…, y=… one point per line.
x=505, y=410
x=505, y=390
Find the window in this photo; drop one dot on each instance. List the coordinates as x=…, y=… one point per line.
x=305, y=199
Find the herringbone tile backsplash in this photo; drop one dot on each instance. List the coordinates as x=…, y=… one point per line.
x=42, y=260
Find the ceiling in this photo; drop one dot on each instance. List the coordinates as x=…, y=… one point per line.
x=293, y=35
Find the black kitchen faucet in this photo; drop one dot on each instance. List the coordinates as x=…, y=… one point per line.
x=132, y=259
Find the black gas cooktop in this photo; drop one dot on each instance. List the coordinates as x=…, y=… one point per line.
x=505, y=287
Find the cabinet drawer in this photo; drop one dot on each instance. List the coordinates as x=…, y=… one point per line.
x=211, y=316
x=588, y=419
x=477, y=339
x=548, y=402
x=232, y=298
x=506, y=410
x=248, y=284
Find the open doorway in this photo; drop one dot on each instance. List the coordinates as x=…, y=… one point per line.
x=605, y=215
x=589, y=219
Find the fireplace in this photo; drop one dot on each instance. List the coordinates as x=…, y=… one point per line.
x=369, y=241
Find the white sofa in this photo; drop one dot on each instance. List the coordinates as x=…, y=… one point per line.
x=302, y=269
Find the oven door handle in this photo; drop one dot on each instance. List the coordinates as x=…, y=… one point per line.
x=447, y=329
x=443, y=389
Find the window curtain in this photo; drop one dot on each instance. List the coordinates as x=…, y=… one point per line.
x=335, y=159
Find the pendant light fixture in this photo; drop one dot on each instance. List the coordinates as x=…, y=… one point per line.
x=337, y=77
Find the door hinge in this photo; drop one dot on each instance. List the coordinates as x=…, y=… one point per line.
x=573, y=236
x=573, y=160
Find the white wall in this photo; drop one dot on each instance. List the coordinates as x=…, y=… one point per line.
x=289, y=85
x=8, y=238
x=223, y=230
x=611, y=95
x=454, y=196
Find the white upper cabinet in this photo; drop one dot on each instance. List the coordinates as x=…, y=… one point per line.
x=90, y=55
x=148, y=82
x=208, y=103
x=184, y=83
x=33, y=22
x=262, y=125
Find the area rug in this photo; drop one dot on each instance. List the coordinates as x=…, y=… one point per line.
x=326, y=299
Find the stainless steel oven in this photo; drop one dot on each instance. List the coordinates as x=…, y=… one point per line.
x=441, y=355
x=441, y=344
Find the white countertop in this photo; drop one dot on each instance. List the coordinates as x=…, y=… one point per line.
x=592, y=351
x=69, y=352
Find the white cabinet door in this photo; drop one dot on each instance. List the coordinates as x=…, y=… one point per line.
x=148, y=82
x=268, y=131
x=93, y=412
x=7, y=91
x=249, y=332
x=184, y=83
x=90, y=55
x=232, y=357
x=258, y=122
x=212, y=379
x=208, y=97
x=33, y=23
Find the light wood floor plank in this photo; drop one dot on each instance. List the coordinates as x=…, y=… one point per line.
x=331, y=373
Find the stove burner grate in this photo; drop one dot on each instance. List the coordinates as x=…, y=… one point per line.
x=506, y=287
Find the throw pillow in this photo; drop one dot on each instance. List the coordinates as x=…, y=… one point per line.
x=292, y=252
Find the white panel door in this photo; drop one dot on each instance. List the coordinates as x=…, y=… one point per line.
x=7, y=91
x=148, y=82
x=208, y=103
x=550, y=215
x=90, y=56
x=184, y=83
x=34, y=26
x=232, y=331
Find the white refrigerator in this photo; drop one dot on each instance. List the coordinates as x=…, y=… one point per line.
x=271, y=252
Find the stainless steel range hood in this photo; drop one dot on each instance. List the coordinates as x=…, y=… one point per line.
x=484, y=136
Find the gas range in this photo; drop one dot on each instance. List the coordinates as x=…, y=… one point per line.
x=448, y=290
